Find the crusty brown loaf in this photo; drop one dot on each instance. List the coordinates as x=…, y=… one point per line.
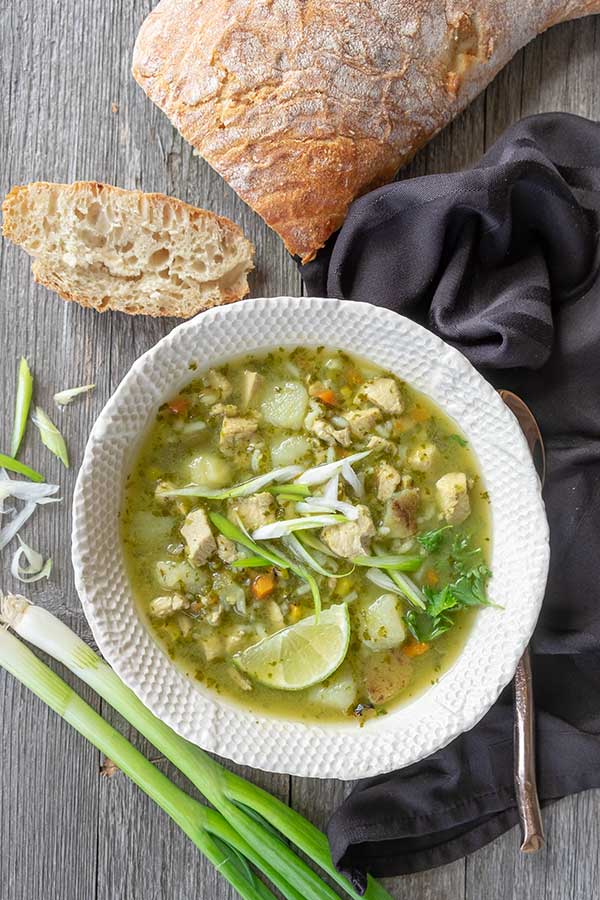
x=302, y=105
x=109, y=248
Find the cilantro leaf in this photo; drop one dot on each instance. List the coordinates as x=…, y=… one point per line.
x=432, y=540
x=470, y=588
x=424, y=628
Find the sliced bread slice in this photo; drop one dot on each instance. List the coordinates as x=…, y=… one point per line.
x=109, y=248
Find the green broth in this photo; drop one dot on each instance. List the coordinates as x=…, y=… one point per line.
x=220, y=616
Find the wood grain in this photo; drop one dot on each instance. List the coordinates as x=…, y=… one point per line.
x=71, y=110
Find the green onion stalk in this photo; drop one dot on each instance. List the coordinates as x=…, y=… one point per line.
x=22, y=404
x=249, y=811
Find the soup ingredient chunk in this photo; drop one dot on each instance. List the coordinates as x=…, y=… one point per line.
x=236, y=431
x=453, y=497
x=198, y=537
x=401, y=512
x=162, y=607
x=285, y=405
x=422, y=458
x=330, y=435
x=252, y=382
x=382, y=624
x=351, y=538
x=254, y=511
x=362, y=421
x=385, y=394
x=387, y=479
x=387, y=675
x=302, y=654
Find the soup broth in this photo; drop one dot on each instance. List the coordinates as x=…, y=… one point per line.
x=395, y=553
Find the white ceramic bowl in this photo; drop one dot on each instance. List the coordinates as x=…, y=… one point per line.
x=519, y=558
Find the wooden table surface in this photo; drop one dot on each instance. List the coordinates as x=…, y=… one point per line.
x=71, y=110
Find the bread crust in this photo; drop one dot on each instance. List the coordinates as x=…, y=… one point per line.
x=16, y=227
x=303, y=105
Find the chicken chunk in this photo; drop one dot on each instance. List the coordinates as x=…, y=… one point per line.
x=387, y=479
x=385, y=394
x=453, y=497
x=250, y=389
x=362, y=421
x=330, y=435
x=381, y=445
x=423, y=457
x=219, y=383
x=163, y=607
x=401, y=513
x=235, y=430
x=226, y=549
x=350, y=538
x=254, y=511
x=198, y=537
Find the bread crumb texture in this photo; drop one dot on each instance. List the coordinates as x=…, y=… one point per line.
x=136, y=253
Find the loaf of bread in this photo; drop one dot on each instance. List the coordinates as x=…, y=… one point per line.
x=303, y=105
x=109, y=248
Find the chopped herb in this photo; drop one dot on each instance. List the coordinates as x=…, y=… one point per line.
x=432, y=540
x=459, y=440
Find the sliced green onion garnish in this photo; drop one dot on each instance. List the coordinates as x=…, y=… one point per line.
x=62, y=398
x=13, y=465
x=295, y=490
x=236, y=534
x=311, y=540
x=251, y=562
x=243, y=805
x=238, y=490
x=287, y=526
x=50, y=435
x=292, y=543
x=398, y=563
x=322, y=473
x=398, y=584
x=22, y=404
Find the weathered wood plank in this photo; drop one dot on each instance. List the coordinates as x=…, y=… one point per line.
x=63, y=68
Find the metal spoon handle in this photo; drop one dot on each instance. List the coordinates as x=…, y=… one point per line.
x=524, y=742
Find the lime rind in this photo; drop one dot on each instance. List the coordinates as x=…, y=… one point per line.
x=301, y=655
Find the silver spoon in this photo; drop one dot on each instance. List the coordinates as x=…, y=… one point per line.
x=532, y=827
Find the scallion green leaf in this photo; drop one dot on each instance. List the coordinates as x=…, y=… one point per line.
x=398, y=563
x=51, y=436
x=22, y=404
x=13, y=465
x=62, y=398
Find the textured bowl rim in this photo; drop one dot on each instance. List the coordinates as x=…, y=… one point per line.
x=462, y=696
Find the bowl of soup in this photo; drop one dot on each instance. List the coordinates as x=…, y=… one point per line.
x=310, y=537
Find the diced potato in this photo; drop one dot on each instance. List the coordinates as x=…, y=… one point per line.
x=338, y=692
x=210, y=470
x=197, y=534
x=382, y=626
x=284, y=406
x=171, y=574
x=386, y=675
x=290, y=450
x=150, y=530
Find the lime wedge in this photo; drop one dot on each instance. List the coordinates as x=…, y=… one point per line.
x=300, y=655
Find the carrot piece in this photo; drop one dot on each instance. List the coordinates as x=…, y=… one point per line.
x=263, y=585
x=326, y=396
x=415, y=648
x=432, y=578
x=178, y=405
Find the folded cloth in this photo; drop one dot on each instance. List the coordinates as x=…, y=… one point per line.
x=502, y=261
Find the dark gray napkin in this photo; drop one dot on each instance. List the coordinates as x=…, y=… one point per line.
x=502, y=261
